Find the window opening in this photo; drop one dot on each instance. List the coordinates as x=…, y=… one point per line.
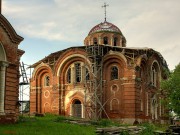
x=95, y=41
x=47, y=80
x=87, y=74
x=78, y=72
x=105, y=40
x=114, y=73
x=154, y=76
x=69, y=75
x=115, y=41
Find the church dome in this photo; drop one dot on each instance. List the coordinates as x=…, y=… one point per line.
x=105, y=26
x=105, y=33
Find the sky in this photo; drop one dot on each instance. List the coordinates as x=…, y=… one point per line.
x=52, y=25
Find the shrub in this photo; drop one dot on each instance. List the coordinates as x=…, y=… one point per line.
x=148, y=129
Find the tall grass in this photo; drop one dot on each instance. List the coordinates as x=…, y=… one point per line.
x=45, y=126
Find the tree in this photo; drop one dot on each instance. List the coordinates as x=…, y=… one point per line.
x=172, y=87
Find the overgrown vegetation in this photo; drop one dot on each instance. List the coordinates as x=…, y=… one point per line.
x=171, y=86
x=45, y=126
x=57, y=125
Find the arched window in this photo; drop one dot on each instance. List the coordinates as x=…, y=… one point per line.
x=78, y=72
x=115, y=41
x=114, y=73
x=154, y=74
x=46, y=81
x=87, y=74
x=105, y=40
x=95, y=41
x=69, y=75
x=114, y=105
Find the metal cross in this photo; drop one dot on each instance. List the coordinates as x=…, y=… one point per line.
x=104, y=6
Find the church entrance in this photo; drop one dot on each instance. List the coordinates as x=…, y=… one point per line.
x=77, y=108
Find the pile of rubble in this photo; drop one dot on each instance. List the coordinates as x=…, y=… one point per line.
x=131, y=130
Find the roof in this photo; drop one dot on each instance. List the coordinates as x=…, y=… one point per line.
x=53, y=57
x=105, y=26
x=137, y=51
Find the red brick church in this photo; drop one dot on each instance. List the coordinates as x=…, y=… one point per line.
x=102, y=79
x=9, y=71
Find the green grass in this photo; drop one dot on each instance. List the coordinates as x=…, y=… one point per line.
x=56, y=125
x=45, y=126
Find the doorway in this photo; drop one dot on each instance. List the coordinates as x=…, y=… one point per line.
x=77, y=108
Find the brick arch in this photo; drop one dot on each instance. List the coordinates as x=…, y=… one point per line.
x=77, y=95
x=118, y=57
x=38, y=80
x=65, y=62
x=114, y=59
x=41, y=68
x=70, y=98
x=114, y=104
x=64, y=67
x=3, y=65
x=155, y=64
x=69, y=55
x=140, y=59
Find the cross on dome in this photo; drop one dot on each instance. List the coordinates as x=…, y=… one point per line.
x=104, y=6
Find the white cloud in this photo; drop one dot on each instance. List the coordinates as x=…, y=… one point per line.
x=153, y=24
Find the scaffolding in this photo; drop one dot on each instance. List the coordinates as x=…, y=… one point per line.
x=94, y=94
x=24, y=87
x=94, y=86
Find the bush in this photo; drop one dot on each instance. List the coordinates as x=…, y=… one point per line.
x=149, y=128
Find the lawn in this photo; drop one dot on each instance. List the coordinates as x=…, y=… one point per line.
x=45, y=126
x=56, y=125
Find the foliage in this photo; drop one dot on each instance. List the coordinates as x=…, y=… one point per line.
x=105, y=123
x=171, y=86
x=124, y=133
x=148, y=129
x=61, y=118
x=45, y=126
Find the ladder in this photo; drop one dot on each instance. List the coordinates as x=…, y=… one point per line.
x=23, y=75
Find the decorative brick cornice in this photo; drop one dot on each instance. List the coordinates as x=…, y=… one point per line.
x=14, y=37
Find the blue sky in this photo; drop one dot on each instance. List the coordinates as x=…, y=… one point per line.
x=51, y=25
